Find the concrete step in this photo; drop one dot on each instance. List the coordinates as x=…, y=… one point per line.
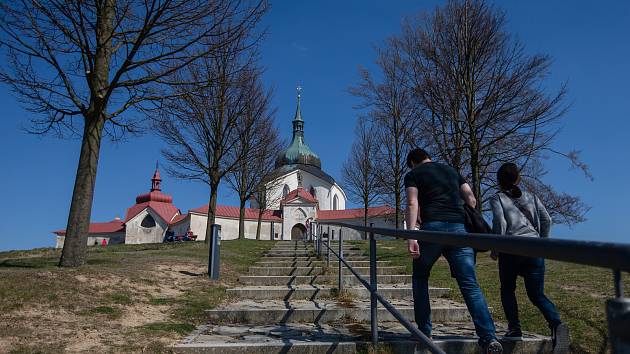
x=267, y=263
x=321, y=270
x=310, y=258
x=319, y=312
x=305, y=254
x=308, y=292
x=336, y=338
x=289, y=280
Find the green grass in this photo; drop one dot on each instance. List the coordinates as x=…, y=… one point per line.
x=578, y=291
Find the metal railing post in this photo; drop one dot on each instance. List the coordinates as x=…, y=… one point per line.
x=340, y=263
x=330, y=236
x=373, y=289
x=618, y=315
x=319, y=242
x=213, y=252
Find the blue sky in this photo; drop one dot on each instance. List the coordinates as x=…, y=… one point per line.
x=319, y=45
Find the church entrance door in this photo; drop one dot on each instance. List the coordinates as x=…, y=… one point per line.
x=298, y=232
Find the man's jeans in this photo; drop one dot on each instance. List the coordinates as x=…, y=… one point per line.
x=533, y=272
x=461, y=261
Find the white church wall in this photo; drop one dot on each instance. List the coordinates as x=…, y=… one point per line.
x=97, y=239
x=350, y=234
x=296, y=213
x=229, y=228
x=324, y=191
x=136, y=233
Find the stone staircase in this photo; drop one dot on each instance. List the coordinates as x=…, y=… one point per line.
x=289, y=302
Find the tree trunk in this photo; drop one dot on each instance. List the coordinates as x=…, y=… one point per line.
x=365, y=219
x=259, y=225
x=476, y=174
x=398, y=209
x=75, y=244
x=241, y=220
x=212, y=210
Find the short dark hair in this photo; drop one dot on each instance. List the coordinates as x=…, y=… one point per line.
x=416, y=156
x=508, y=175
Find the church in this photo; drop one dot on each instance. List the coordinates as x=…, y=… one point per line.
x=299, y=196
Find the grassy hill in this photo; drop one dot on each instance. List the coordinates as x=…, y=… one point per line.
x=143, y=298
x=579, y=292
x=128, y=298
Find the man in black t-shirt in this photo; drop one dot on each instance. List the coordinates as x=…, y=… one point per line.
x=435, y=197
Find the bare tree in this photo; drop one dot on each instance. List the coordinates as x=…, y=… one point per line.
x=267, y=192
x=359, y=170
x=258, y=139
x=80, y=65
x=393, y=113
x=484, y=97
x=200, y=123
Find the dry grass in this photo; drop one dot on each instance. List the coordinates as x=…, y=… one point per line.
x=126, y=299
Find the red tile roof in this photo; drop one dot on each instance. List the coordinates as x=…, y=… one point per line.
x=165, y=210
x=233, y=212
x=179, y=218
x=101, y=227
x=357, y=213
x=299, y=193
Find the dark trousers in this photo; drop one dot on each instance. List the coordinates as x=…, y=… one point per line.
x=533, y=272
x=461, y=261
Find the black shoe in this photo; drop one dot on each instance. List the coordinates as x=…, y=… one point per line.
x=493, y=347
x=560, y=338
x=513, y=334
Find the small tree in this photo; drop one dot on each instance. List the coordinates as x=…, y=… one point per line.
x=359, y=170
x=200, y=123
x=257, y=140
x=79, y=66
x=484, y=98
x=393, y=114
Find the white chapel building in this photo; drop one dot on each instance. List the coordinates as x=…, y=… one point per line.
x=299, y=196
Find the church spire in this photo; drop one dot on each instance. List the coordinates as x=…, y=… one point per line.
x=298, y=123
x=156, y=180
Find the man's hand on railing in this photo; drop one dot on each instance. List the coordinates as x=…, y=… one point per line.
x=414, y=248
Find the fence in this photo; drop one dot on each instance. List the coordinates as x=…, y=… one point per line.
x=599, y=254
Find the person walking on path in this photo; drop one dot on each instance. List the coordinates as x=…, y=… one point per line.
x=519, y=213
x=435, y=196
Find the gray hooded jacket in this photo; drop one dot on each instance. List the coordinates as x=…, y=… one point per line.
x=508, y=219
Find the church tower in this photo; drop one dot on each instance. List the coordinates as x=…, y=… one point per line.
x=298, y=151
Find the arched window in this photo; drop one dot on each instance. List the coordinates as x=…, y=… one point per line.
x=148, y=221
x=335, y=202
x=312, y=191
x=285, y=190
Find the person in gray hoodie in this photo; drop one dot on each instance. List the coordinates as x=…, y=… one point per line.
x=519, y=213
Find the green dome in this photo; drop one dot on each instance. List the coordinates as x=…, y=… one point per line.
x=298, y=152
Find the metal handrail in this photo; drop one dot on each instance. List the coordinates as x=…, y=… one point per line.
x=369, y=285
x=600, y=254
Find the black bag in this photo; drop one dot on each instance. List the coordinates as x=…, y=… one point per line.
x=474, y=222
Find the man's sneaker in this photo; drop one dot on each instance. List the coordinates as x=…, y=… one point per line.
x=561, y=339
x=513, y=334
x=493, y=347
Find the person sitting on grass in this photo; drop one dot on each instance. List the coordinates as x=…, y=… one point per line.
x=519, y=213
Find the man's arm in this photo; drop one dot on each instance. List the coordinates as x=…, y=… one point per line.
x=467, y=195
x=411, y=215
x=411, y=218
